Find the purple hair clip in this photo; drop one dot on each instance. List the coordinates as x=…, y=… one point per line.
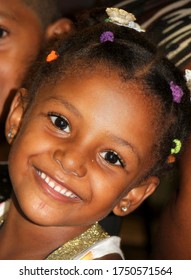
x=177, y=92
x=107, y=36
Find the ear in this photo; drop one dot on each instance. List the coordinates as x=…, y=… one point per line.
x=136, y=196
x=59, y=29
x=15, y=115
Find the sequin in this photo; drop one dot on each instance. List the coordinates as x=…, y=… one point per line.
x=72, y=248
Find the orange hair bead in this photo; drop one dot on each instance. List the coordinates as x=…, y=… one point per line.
x=53, y=55
x=171, y=159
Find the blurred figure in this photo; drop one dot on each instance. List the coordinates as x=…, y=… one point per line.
x=25, y=29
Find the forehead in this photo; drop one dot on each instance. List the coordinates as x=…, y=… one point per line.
x=18, y=11
x=109, y=85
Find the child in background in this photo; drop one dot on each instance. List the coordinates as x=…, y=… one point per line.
x=91, y=133
x=25, y=28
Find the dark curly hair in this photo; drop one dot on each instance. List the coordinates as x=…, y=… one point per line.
x=135, y=60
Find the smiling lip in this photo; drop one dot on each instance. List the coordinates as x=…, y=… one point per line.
x=55, y=189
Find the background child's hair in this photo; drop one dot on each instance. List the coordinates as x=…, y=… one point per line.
x=135, y=60
x=48, y=11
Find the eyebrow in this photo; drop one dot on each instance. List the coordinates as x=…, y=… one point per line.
x=67, y=105
x=125, y=143
x=7, y=15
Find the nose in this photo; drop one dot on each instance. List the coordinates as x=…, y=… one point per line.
x=72, y=162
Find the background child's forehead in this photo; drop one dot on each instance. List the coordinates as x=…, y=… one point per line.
x=47, y=11
x=12, y=8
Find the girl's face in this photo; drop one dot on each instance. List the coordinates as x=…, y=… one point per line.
x=81, y=146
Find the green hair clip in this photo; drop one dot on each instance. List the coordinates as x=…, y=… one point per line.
x=177, y=148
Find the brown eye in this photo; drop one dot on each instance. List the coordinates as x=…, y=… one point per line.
x=112, y=158
x=3, y=33
x=60, y=122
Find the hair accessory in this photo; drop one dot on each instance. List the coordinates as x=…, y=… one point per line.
x=53, y=55
x=177, y=92
x=177, y=148
x=171, y=159
x=107, y=36
x=123, y=18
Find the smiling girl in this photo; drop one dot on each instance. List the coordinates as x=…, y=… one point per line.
x=90, y=134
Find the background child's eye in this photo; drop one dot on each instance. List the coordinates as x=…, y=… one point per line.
x=112, y=157
x=60, y=122
x=3, y=32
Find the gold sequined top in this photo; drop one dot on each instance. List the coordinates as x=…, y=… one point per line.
x=74, y=247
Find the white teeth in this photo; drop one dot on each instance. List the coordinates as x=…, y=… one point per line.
x=57, y=188
x=51, y=184
x=73, y=196
x=68, y=194
x=43, y=176
x=63, y=191
x=47, y=180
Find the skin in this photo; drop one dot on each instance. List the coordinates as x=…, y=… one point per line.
x=75, y=158
x=21, y=38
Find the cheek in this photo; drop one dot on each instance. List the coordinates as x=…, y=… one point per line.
x=24, y=146
x=9, y=82
x=18, y=162
x=11, y=72
x=108, y=186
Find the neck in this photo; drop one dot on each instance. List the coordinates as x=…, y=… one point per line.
x=22, y=239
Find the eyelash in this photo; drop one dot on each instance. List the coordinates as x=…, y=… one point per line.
x=61, y=119
x=2, y=32
x=118, y=158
